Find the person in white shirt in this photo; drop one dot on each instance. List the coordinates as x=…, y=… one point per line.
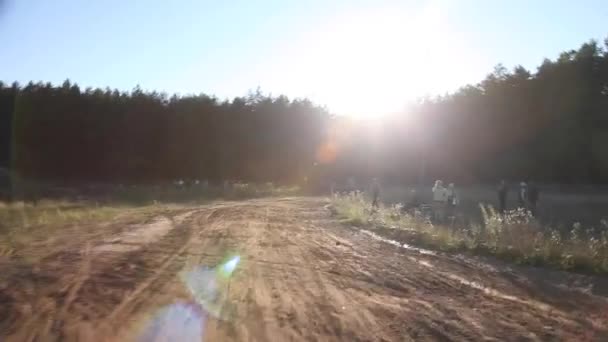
x=522, y=195
x=439, y=191
x=440, y=198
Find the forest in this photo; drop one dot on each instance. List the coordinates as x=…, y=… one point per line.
x=548, y=125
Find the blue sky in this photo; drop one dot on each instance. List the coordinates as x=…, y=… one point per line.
x=349, y=55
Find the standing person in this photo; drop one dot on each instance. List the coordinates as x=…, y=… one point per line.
x=452, y=200
x=439, y=200
x=522, y=195
x=375, y=193
x=502, y=196
x=533, y=194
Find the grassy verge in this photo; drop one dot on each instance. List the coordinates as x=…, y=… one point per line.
x=20, y=215
x=24, y=225
x=514, y=236
x=196, y=194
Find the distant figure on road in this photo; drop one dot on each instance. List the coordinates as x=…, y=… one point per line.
x=375, y=193
x=533, y=194
x=522, y=195
x=502, y=196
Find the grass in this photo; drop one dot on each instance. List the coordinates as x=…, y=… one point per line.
x=148, y=194
x=515, y=236
x=21, y=215
x=22, y=224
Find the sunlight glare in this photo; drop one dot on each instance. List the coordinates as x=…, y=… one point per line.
x=371, y=62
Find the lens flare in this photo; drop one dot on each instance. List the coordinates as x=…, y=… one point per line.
x=327, y=153
x=209, y=287
x=177, y=322
x=229, y=266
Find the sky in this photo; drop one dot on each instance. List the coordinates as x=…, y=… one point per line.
x=359, y=58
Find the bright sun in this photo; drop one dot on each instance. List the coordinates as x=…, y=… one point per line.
x=370, y=63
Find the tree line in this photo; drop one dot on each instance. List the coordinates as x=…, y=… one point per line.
x=547, y=125
x=67, y=134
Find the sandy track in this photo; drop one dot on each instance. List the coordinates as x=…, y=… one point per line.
x=302, y=276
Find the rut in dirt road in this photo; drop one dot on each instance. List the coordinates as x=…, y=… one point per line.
x=301, y=276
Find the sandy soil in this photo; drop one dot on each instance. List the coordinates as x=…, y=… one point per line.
x=301, y=276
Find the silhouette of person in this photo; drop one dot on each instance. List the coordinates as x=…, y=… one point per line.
x=375, y=193
x=533, y=194
x=522, y=195
x=502, y=196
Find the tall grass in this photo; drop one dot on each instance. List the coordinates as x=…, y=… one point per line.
x=250, y=190
x=146, y=194
x=21, y=215
x=514, y=235
x=24, y=223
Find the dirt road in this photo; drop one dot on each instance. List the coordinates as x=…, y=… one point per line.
x=301, y=276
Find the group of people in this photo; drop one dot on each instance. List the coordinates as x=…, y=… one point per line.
x=527, y=196
x=445, y=200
